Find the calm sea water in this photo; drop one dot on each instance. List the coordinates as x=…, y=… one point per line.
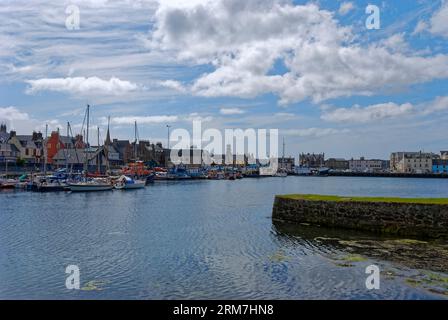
x=186, y=240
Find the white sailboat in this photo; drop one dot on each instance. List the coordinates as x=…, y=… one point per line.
x=92, y=185
x=282, y=173
x=89, y=185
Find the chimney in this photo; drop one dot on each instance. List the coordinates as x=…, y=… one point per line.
x=37, y=136
x=12, y=134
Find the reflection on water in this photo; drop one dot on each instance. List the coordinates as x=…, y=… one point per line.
x=206, y=239
x=347, y=247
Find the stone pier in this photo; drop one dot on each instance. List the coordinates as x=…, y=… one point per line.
x=422, y=218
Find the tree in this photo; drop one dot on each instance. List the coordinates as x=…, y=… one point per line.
x=20, y=162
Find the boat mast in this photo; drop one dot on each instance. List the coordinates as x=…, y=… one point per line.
x=66, y=147
x=106, y=146
x=283, y=165
x=45, y=149
x=98, y=153
x=135, y=141
x=86, y=160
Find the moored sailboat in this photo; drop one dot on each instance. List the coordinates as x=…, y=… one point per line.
x=88, y=185
x=91, y=185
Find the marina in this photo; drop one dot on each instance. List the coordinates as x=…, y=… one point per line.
x=226, y=158
x=215, y=240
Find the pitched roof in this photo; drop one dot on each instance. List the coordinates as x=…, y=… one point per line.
x=26, y=141
x=4, y=136
x=8, y=147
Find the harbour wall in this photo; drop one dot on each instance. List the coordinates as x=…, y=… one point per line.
x=388, y=175
x=404, y=219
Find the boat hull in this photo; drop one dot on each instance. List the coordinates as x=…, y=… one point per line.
x=7, y=186
x=89, y=188
x=133, y=186
x=50, y=188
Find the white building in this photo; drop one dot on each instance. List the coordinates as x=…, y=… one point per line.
x=412, y=162
x=365, y=165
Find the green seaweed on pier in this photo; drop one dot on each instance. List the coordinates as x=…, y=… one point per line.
x=315, y=197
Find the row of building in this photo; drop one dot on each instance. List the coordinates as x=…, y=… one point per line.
x=63, y=150
x=60, y=151
x=400, y=162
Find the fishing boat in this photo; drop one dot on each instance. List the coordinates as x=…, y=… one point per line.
x=216, y=174
x=127, y=183
x=136, y=168
x=161, y=175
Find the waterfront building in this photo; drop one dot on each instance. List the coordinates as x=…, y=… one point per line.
x=337, y=164
x=29, y=146
x=57, y=142
x=97, y=156
x=286, y=164
x=312, y=160
x=440, y=166
x=365, y=165
x=4, y=135
x=444, y=155
x=73, y=158
x=153, y=154
x=192, y=158
x=8, y=152
x=124, y=149
x=412, y=162
x=386, y=166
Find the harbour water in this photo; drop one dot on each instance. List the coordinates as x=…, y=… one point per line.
x=193, y=240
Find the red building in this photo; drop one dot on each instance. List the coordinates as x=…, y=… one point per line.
x=57, y=142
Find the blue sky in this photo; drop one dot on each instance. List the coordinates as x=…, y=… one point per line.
x=311, y=69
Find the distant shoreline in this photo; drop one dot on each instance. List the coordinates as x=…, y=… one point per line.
x=389, y=175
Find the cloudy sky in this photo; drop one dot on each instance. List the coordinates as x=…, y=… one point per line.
x=312, y=69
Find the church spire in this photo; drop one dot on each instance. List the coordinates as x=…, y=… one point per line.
x=108, y=141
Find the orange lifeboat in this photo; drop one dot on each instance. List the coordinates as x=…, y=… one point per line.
x=136, y=169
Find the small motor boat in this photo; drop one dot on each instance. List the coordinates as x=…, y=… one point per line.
x=127, y=183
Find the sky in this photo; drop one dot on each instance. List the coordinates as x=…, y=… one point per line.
x=314, y=70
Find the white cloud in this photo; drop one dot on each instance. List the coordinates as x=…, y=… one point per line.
x=378, y=112
x=439, y=104
x=439, y=21
x=82, y=85
x=128, y=120
x=243, y=40
x=420, y=27
x=286, y=115
x=175, y=85
x=357, y=114
x=231, y=111
x=345, y=8
x=23, y=123
x=313, y=132
x=12, y=113
x=396, y=43
x=197, y=117
x=159, y=119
